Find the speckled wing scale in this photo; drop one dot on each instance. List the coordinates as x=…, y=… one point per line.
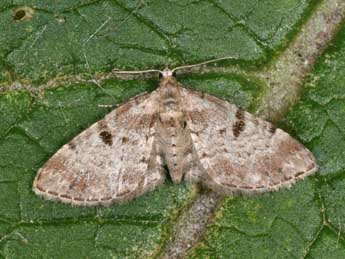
x=240, y=153
x=113, y=160
x=200, y=138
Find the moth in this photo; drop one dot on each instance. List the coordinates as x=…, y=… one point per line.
x=198, y=137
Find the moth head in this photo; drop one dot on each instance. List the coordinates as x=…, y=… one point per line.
x=168, y=83
x=167, y=72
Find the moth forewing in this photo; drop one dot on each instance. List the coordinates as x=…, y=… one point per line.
x=199, y=137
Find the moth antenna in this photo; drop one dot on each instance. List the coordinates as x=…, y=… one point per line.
x=126, y=74
x=136, y=72
x=186, y=67
x=140, y=74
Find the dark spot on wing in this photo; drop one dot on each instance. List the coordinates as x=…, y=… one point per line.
x=222, y=132
x=106, y=137
x=124, y=140
x=287, y=178
x=71, y=145
x=240, y=114
x=298, y=174
x=239, y=125
x=53, y=193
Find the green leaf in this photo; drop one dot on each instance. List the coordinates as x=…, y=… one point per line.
x=67, y=37
x=50, y=52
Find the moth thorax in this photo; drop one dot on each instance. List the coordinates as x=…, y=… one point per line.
x=172, y=119
x=169, y=91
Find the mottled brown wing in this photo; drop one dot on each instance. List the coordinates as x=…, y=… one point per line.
x=112, y=160
x=240, y=152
